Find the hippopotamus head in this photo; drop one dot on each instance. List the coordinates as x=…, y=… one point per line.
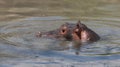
x=84, y=34
x=64, y=31
x=71, y=31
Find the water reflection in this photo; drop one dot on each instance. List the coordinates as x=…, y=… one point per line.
x=66, y=45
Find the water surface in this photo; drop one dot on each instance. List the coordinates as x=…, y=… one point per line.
x=20, y=47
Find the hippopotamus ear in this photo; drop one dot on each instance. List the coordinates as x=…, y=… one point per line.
x=81, y=25
x=78, y=24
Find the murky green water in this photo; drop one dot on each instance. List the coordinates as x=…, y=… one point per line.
x=19, y=46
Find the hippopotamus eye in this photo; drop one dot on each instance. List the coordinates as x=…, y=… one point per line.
x=63, y=30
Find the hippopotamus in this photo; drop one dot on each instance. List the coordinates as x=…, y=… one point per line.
x=72, y=32
x=84, y=34
x=63, y=32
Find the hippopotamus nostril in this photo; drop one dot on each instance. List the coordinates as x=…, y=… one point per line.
x=39, y=34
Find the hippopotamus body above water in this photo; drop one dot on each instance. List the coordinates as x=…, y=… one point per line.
x=70, y=31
